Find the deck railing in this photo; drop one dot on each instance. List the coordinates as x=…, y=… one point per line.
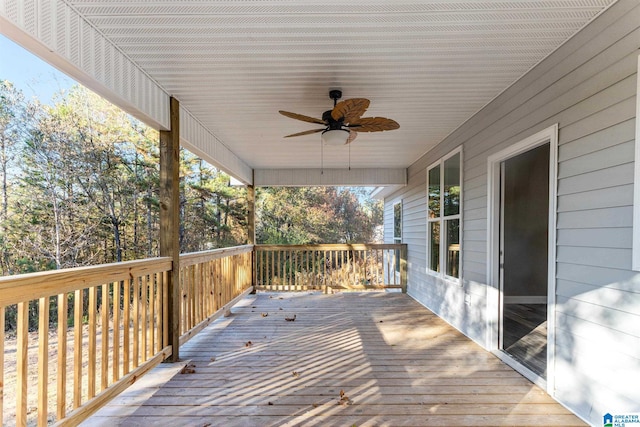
x=83, y=335
x=107, y=330
x=100, y=328
x=210, y=282
x=333, y=266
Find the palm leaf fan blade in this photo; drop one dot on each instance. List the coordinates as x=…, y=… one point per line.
x=306, y=132
x=302, y=117
x=350, y=109
x=352, y=136
x=374, y=124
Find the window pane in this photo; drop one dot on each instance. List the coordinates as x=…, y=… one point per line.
x=453, y=247
x=434, y=246
x=452, y=185
x=397, y=221
x=434, y=192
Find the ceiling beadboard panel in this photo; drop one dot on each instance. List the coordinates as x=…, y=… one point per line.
x=429, y=65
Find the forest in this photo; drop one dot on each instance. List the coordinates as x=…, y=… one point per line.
x=79, y=186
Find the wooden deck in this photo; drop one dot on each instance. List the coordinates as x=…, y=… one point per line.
x=370, y=359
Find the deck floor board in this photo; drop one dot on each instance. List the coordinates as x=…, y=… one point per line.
x=396, y=362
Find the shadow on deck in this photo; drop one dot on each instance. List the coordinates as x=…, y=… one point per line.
x=363, y=359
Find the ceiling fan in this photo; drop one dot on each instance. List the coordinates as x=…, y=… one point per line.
x=342, y=124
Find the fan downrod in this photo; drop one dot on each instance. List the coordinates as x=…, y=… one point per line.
x=335, y=95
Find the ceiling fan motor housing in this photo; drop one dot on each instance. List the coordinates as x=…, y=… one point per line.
x=331, y=123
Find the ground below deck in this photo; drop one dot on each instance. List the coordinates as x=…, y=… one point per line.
x=369, y=359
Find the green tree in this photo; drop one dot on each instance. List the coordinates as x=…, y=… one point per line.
x=309, y=215
x=15, y=122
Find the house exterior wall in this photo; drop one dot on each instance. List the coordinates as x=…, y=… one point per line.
x=588, y=87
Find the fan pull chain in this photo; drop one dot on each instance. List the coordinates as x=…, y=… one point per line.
x=321, y=158
x=349, y=156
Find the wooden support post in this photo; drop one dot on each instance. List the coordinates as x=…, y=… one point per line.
x=170, y=221
x=403, y=268
x=251, y=230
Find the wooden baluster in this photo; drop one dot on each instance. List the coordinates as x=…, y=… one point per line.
x=165, y=307
x=136, y=322
x=229, y=280
x=403, y=268
x=325, y=260
x=366, y=276
x=43, y=360
x=272, y=269
x=288, y=260
x=115, y=363
x=201, y=294
x=377, y=252
x=93, y=292
x=1, y=363
x=296, y=273
x=332, y=260
x=77, y=349
x=61, y=379
x=143, y=317
x=280, y=272
x=186, y=286
x=182, y=301
x=126, y=327
x=352, y=267
x=343, y=268
x=197, y=288
x=260, y=267
x=314, y=266
x=152, y=313
x=212, y=287
x=104, y=378
x=190, y=298
x=214, y=284
x=158, y=310
x=22, y=363
x=385, y=267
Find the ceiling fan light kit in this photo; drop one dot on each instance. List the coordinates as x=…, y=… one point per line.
x=335, y=137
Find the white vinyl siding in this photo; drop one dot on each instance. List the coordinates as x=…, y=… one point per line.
x=636, y=206
x=589, y=87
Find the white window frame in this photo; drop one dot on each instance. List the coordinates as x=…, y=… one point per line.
x=635, y=251
x=397, y=239
x=442, y=219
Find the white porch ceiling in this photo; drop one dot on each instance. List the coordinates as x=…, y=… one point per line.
x=430, y=65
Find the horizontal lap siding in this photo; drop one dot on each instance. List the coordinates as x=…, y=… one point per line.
x=588, y=87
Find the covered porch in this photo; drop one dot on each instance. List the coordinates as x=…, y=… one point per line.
x=364, y=359
x=466, y=80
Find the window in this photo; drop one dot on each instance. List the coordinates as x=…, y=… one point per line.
x=443, y=222
x=397, y=230
x=397, y=222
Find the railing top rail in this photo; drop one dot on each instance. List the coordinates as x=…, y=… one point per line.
x=27, y=287
x=333, y=247
x=204, y=256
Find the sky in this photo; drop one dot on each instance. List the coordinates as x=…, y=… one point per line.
x=29, y=73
